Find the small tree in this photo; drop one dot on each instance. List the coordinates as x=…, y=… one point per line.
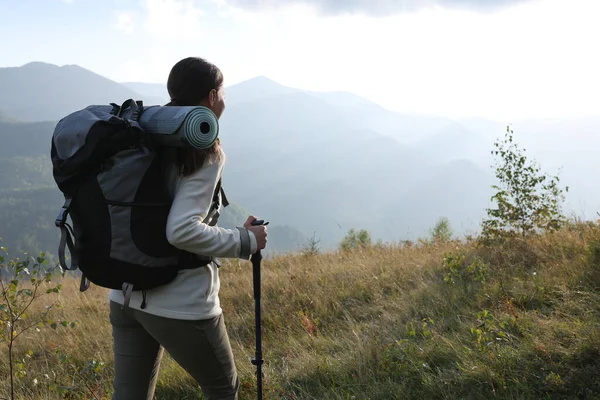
x=22, y=282
x=441, y=232
x=356, y=240
x=528, y=201
x=312, y=247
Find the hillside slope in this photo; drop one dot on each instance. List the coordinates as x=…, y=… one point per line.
x=436, y=321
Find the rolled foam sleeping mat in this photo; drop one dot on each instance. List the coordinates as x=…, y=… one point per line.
x=172, y=125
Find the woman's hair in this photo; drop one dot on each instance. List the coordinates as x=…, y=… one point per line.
x=190, y=81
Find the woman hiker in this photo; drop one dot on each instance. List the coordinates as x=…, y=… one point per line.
x=184, y=316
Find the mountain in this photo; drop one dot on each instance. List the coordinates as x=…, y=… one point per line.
x=45, y=92
x=157, y=91
x=310, y=167
x=345, y=99
x=254, y=89
x=351, y=109
x=259, y=88
x=459, y=190
x=4, y=117
x=25, y=139
x=323, y=163
x=28, y=194
x=454, y=142
x=30, y=200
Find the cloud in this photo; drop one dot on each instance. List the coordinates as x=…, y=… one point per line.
x=173, y=19
x=125, y=22
x=168, y=31
x=164, y=19
x=376, y=7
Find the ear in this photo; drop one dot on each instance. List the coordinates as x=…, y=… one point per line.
x=212, y=98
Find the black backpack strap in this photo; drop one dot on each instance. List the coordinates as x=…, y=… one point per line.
x=131, y=109
x=224, y=198
x=115, y=109
x=84, y=284
x=219, y=190
x=218, y=199
x=66, y=237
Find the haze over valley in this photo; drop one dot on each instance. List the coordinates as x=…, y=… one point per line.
x=312, y=163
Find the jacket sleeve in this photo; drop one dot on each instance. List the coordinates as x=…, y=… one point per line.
x=191, y=204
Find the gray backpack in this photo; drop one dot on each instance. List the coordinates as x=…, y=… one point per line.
x=114, y=179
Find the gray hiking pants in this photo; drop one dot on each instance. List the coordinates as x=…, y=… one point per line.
x=201, y=347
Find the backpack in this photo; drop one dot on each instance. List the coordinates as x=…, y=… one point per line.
x=114, y=178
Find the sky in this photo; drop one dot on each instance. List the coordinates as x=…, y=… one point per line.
x=498, y=59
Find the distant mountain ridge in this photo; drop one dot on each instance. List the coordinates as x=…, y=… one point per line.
x=25, y=139
x=45, y=92
x=310, y=161
x=256, y=89
x=156, y=91
x=4, y=117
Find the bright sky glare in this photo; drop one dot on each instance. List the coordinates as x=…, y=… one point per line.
x=525, y=59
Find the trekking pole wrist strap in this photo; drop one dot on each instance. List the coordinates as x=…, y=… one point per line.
x=245, y=249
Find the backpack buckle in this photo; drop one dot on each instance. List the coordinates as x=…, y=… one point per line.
x=61, y=219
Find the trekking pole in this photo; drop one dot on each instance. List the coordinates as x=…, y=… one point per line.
x=257, y=360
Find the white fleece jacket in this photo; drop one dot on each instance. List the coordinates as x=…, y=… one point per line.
x=194, y=294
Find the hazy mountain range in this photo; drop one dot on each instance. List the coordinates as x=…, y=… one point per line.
x=309, y=162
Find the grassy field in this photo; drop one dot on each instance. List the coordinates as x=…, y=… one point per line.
x=427, y=321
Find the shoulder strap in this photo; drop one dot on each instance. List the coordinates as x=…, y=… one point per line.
x=219, y=190
x=218, y=199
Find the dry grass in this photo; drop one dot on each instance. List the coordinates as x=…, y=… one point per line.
x=509, y=322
